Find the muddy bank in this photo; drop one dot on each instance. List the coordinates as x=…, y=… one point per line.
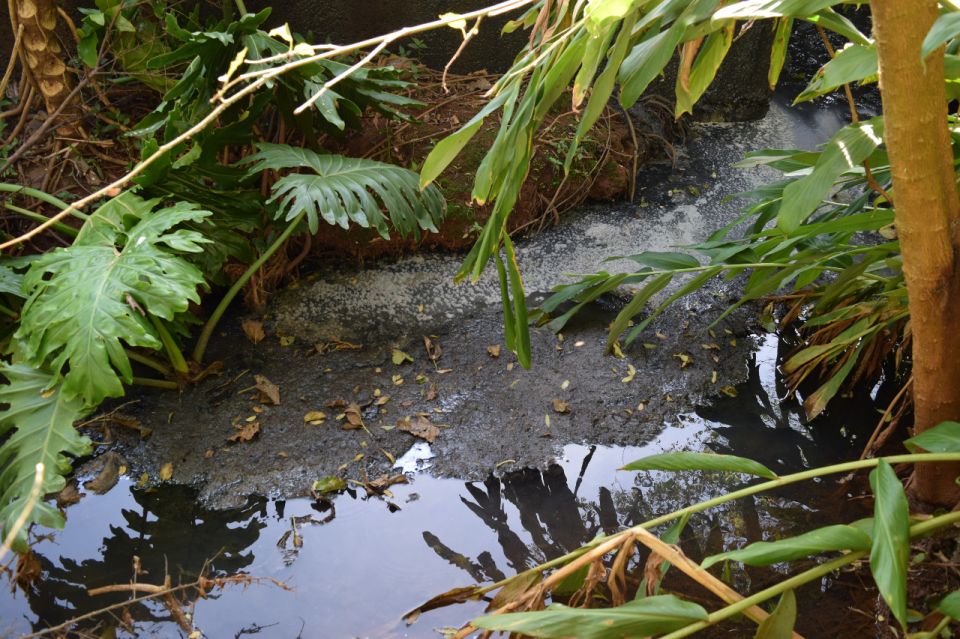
x=489, y=414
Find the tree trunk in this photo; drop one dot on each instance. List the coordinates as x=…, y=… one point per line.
x=43, y=59
x=927, y=219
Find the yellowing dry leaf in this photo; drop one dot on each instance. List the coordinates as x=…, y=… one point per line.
x=398, y=357
x=565, y=385
x=561, y=406
x=397, y=380
x=354, y=419
x=315, y=417
x=631, y=373
x=433, y=349
x=729, y=391
x=381, y=400
x=166, y=472
x=419, y=426
x=617, y=351
x=685, y=360
x=493, y=351
x=270, y=390
x=254, y=330
x=245, y=434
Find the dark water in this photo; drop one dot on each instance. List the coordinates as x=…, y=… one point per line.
x=361, y=564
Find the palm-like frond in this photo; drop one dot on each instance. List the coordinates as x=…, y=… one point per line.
x=342, y=190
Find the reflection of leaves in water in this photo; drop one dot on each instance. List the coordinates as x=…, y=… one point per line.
x=171, y=532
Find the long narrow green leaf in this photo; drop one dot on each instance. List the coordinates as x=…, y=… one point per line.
x=645, y=63
x=947, y=27
x=639, y=301
x=855, y=63
x=779, y=625
x=678, y=462
x=705, y=67
x=765, y=553
x=521, y=323
x=778, y=53
x=638, y=618
x=890, y=552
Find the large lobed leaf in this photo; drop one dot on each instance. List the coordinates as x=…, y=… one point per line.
x=41, y=420
x=342, y=190
x=87, y=300
x=638, y=618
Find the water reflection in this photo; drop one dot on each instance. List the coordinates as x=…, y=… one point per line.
x=357, y=568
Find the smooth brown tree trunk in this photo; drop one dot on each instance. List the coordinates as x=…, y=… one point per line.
x=43, y=59
x=927, y=218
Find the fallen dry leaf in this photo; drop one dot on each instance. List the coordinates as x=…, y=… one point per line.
x=166, y=472
x=315, y=417
x=419, y=426
x=433, y=348
x=246, y=433
x=631, y=373
x=354, y=419
x=254, y=330
x=268, y=388
x=561, y=406
x=337, y=403
x=685, y=360
x=431, y=393
x=398, y=357
x=380, y=484
x=111, y=467
x=493, y=351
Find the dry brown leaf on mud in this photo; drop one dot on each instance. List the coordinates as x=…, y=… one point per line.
x=247, y=432
x=111, y=467
x=337, y=403
x=354, y=419
x=419, y=426
x=270, y=390
x=433, y=348
x=166, y=472
x=431, y=393
x=253, y=330
x=380, y=485
x=315, y=417
x=493, y=351
x=561, y=406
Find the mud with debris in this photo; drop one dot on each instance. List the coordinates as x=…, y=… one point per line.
x=230, y=440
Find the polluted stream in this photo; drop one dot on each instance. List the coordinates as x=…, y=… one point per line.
x=510, y=478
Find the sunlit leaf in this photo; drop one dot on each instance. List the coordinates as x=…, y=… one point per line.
x=675, y=462
x=855, y=63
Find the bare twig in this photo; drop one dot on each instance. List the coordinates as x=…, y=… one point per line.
x=13, y=61
x=467, y=37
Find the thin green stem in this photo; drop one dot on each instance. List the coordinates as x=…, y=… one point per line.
x=36, y=217
x=170, y=345
x=9, y=312
x=916, y=530
x=940, y=627
x=241, y=7
x=40, y=195
x=779, y=482
x=221, y=308
x=166, y=384
x=146, y=360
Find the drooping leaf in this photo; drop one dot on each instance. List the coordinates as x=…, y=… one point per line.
x=750, y=9
x=638, y=618
x=778, y=53
x=87, y=300
x=779, y=625
x=708, y=61
x=645, y=63
x=942, y=438
x=765, y=553
x=674, y=462
x=947, y=27
x=663, y=260
x=855, y=63
x=342, y=190
x=890, y=551
x=845, y=151
x=39, y=421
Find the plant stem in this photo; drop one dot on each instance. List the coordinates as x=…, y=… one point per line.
x=156, y=383
x=221, y=308
x=917, y=530
x=737, y=494
x=9, y=312
x=170, y=345
x=146, y=360
x=241, y=7
x=60, y=226
x=40, y=195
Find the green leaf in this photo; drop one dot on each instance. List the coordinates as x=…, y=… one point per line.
x=637, y=304
x=750, y=9
x=86, y=300
x=674, y=462
x=846, y=150
x=342, y=190
x=521, y=327
x=779, y=625
x=778, y=53
x=942, y=438
x=855, y=63
x=704, y=69
x=638, y=618
x=950, y=605
x=645, y=63
x=765, y=553
x=38, y=426
x=11, y=282
x=890, y=553
x=947, y=27
x=662, y=260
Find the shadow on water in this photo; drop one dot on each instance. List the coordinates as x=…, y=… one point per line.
x=362, y=564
